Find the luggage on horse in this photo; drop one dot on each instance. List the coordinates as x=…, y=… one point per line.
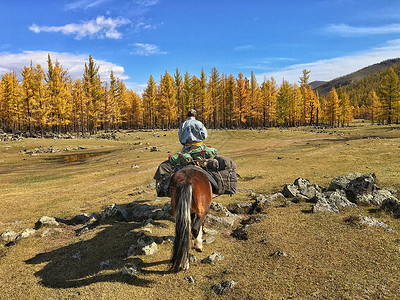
x=219, y=169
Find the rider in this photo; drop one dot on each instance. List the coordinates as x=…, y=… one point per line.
x=192, y=132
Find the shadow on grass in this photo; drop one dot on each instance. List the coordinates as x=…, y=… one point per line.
x=79, y=264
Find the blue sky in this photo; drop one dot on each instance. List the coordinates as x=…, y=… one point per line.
x=139, y=38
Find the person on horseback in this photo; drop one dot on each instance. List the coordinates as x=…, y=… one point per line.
x=192, y=132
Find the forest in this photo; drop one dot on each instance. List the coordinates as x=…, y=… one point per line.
x=35, y=101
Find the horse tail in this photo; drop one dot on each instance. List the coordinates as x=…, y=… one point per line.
x=180, y=254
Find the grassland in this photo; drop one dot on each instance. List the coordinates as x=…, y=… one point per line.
x=327, y=258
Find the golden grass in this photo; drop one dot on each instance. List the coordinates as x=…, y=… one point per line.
x=327, y=257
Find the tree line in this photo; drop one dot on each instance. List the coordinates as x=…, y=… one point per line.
x=52, y=101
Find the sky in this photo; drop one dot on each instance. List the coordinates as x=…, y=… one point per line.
x=139, y=38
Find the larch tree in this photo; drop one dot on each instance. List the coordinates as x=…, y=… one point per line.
x=374, y=107
x=179, y=96
x=93, y=94
x=269, y=92
x=390, y=96
x=149, y=103
x=241, y=100
x=283, y=103
x=332, y=108
x=167, y=101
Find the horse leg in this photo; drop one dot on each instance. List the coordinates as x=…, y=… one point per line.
x=197, y=231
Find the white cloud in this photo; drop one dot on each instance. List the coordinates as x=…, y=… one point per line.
x=348, y=30
x=329, y=69
x=74, y=64
x=101, y=27
x=146, y=49
x=83, y=4
x=244, y=48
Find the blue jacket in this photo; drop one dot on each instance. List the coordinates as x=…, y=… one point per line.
x=192, y=131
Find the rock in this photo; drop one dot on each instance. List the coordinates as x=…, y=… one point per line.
x=192, y=258
x=323, y=205
x=46, y=221
x=339, y=199
x=135, y=166
x=381, y=195
x=341, y=182
x=105, y=264
x=370, y=221
x=240, y=208
x=391, y=205
x=265, y=240
x=365, y=199
x=79, y=219
x=354, y=184
x=189, y=279
x=26, y=233
x=8, y=235
x=214, y=257
x=114, y=212
x=223, y=287
x=279, y=253
x=209, y=231
x=209, y=240
x=290, y=191
x=142, y=212
x=131, y=271
x=229, y=221
x=145, y=246
x=145, y=240
x=50, y=231
x=330, y=201
x=151, y=186
x=78, y=255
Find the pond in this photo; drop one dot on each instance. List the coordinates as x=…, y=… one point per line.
x=71, y=158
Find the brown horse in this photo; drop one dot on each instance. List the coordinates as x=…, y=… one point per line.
x=191, y=196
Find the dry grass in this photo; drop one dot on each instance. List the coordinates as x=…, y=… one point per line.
x=327, y=258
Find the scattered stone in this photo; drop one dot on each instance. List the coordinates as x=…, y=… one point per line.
x=131, y=271
x=279, y=253
x=145, y=246
x=264, y=240
x=209, y=231
x=78, y=255
x=135, y=166
x=141, y=212
x=214, y=257
x=50, y=231
x=223, y=287
x=370, y=221
x=8, y=235
x=154, y=149
x=46, y=221
x=192, y=258
x=151, y=186
x=79, y=219
x=354, y=184
x=209, y=240
x=105, y=264
x=169, y=239
x=380, y=196
x=114, y=212
x=189, y=279
x=26, y=233
x=391, y=205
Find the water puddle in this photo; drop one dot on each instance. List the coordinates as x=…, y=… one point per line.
x=72, y=158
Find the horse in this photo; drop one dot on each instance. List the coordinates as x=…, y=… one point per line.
x=191, y=195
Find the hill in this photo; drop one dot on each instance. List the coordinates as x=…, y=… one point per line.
x=356, y=76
